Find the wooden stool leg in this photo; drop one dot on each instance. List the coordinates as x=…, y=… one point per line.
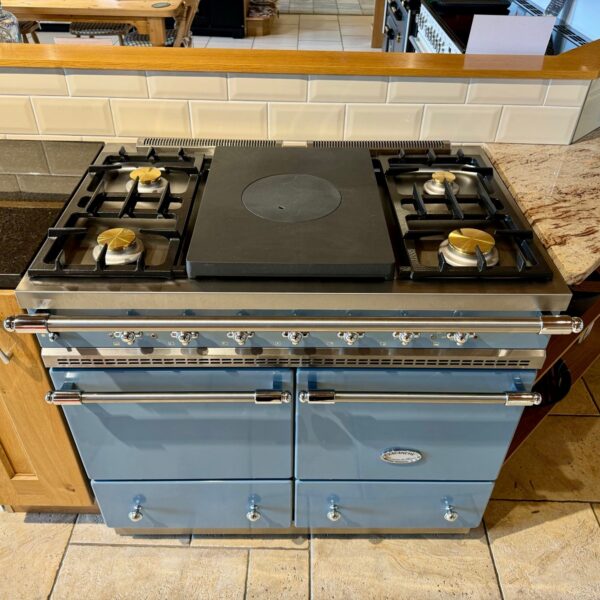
x=24, y=38
x=35, y=37
x=121, y=41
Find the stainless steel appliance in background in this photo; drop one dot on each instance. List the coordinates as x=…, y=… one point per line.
x=348, y=348
x=443, y=26
x=399, y=22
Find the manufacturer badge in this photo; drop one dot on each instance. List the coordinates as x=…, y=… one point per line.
x=401, y=456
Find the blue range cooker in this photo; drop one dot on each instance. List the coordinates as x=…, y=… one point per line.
x=375, y=388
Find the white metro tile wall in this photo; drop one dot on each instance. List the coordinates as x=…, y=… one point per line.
x=187, y=86
x=151, y=117
x=47, y=82
x=383, y=121
x=566, y=92
x=294, y=121
x=288, y=88
x=237, y=120
x=537, y=125
x=124, y=84
x=73, y=116
x=589, y=118
x=324, y=88
x=428, y=90
x=507, y=91
x=16, y=115
x=460, y=123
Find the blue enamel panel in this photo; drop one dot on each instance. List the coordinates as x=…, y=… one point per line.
x=390, y=505
x=195, y=504
x=181, y=441
x=454, y=441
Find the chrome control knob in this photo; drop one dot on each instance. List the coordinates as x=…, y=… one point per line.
x=136, y=514
x=253, y=514
x=184, y=337
x=295, y=337
x=405, y=337
x=128, y=337
x=240, y=337
x=334, y=513
x=460, y=338
x=450, y=515
x=350, y=337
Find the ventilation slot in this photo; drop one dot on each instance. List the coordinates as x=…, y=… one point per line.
x=172, y=142
x=415, y=146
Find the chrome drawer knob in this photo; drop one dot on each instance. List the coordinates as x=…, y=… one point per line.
x=136, y=514
x=334, y=514
x=253, y=514
x=450, y=515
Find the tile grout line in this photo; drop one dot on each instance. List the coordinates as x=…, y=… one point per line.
x=62, y=558
x=589, y=391
x=596, y=515
x=489, y=545
x=247, y=575
x=310, y=577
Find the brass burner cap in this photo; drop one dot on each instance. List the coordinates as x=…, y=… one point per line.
x=441, y=176
x=465, y=240
x=117, y=239
x=146, y=175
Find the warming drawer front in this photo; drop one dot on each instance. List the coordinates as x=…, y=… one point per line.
x=126, y=432
x=390, y=505
x=188, y=505
x=397, y=440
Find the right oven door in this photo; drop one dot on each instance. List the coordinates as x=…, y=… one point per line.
x=367, y=436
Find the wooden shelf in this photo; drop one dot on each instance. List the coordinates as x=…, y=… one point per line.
x=581, y=63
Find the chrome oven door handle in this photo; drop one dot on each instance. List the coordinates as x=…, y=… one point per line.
x=333, y=397
x=55, y=324
x=76, y=397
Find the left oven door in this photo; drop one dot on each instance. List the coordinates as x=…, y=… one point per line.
x=138, y=437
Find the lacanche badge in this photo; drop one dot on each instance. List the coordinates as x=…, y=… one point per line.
x=401, y=456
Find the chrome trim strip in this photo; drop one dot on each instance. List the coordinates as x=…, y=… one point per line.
x=445, y=358
x=76, y=397
x=292, y=532
x=333, y=397
x=45, y=323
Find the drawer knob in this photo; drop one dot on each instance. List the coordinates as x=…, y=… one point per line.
x=334, y=514
x=136, y=514
x=253, y=514
x=450, y=515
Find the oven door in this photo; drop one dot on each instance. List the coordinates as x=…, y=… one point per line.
x=134, y=424
x=405, y=424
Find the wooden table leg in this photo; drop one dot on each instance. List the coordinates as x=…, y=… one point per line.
x=156, y=31
x=377, y=36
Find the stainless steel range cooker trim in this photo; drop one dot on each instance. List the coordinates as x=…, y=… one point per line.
x=333, y=397
x=441, y=358
x=46, y=323
x=76, y=397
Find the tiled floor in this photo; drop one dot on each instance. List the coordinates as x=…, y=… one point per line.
x=540, y=540
x=328, y=7
x=291, y=32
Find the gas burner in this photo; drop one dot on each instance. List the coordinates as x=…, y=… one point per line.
x=435, y=186
x=460, y=249
x=150, y=180
x=122, y=246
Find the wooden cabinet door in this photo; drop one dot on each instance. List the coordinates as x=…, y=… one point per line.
x=39, y=466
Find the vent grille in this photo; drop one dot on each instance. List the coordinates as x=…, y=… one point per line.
x=407, y=145
x=288, y=361
x=173, y=142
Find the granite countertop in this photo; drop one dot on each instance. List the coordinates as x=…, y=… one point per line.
x=36, y=179
x=558, y=189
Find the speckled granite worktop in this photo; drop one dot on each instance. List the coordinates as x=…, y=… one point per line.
x=558, y=189
x=36, y=178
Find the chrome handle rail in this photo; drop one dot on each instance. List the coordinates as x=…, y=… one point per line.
x=333, y=397
x=76, y=397
x=53, y=324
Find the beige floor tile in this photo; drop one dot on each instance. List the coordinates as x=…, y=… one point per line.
x=592, y=379
x=559, y=461
x=277, y=574
x=577, y=402
x=90, y=529
x=134, y=572
x=596, y=508
x=285, y=542
x=399, y=567
x=545, y=550
x=31, y=548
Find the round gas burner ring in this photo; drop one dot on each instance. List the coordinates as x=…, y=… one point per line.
x=459, y=250
x=123, y=246
x=146, y=175
x=435, y=186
